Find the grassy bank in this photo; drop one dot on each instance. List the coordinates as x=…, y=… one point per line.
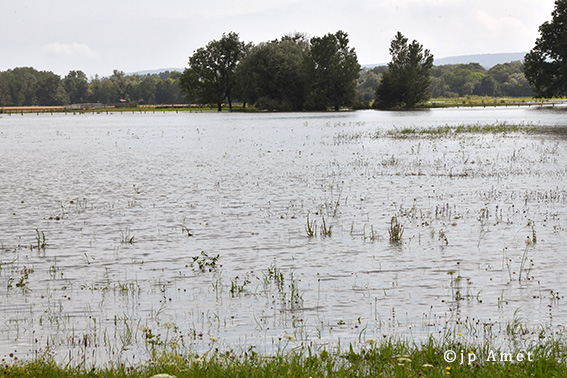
x=386, y=359
x=484, y=101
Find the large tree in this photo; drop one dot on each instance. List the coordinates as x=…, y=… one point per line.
x=76, y=85
x=407, y=81
x=334, y=69
x=210, y=75
x=271, y=76
x=546, y=64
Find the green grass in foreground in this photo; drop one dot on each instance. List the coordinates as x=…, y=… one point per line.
x=384, y=360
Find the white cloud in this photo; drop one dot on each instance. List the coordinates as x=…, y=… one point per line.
x=501, y=23
x=70, y=50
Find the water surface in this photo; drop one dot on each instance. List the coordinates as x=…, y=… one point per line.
x=112, y=223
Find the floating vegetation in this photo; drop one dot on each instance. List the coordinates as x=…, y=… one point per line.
x=445, y=131
x=205, y=262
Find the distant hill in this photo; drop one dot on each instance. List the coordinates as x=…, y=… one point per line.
x=486, y=60
x=152, y=72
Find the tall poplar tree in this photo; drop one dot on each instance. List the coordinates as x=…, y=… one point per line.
x=334, y=69
x=407, y=81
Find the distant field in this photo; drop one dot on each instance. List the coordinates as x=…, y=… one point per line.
x=491, y=101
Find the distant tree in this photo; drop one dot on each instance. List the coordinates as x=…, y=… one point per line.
x=488, y=87
x=50, y=90
x=168, y=91
x=6, y=79
x=121, y=84
x=76, y=85
x=210, y=75
x=407, y=81
x=546, y=63
x=334, y=69
x=367, y=83
x=272, y=76
x=103, y=90
x=24, y=86
x=144, y=89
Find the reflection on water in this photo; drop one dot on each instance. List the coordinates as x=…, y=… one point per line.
x=178, y=228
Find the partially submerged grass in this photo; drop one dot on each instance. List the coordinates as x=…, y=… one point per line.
x=488, y=101
x=496, y=128
x=375, y=359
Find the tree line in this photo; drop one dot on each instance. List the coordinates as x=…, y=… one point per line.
x=26, y=86
x=290, y=73
x=457, y=80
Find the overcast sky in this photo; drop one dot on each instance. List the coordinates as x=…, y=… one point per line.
x=99, y=36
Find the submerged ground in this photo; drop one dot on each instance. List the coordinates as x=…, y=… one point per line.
x=122, y=233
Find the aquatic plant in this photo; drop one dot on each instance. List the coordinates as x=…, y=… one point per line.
x=310, y=228
x=206, y=262
x=236, y=288
x=126, y=237
x=395, y=231
x=41, y=242
x=325, y=231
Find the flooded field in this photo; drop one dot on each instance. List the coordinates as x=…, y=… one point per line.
x=121, y=234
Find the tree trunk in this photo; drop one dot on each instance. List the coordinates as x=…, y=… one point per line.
x=219, y=106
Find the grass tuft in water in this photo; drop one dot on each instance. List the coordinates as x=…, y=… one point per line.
x=396, y=231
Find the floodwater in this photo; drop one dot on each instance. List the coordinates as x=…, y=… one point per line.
x=123, y=233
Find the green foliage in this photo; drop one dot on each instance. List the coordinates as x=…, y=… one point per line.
x=77, y=87
x=271, y=75
x=375, y=359
x=333, y=68
x=460, y=80
x=26, y=86
x=546, y=63
x=210, y=77
x=407, y=81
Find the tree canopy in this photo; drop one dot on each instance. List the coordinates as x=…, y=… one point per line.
x=272, y=76
x=333, y=68
x=408, y=78
x=546, y=63
x=210, y=76
x=292, y=73
x=26, y=86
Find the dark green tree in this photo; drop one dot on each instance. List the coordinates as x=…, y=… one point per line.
x=333, y=69
x=76, y=85
x=210, y=76
x=24, y=86
x=546, y=64
x=122, y=85
x=272, y=76
x=6, y=80
x=50, y=90
x=407, y=81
